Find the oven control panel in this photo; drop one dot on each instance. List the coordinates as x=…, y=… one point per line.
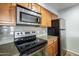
x=24, y=34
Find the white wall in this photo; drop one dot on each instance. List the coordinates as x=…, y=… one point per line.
x=71, y=15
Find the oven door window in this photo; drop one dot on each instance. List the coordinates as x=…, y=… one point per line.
x=24, y=17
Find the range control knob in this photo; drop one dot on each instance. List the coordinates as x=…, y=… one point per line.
x=27, y=32
x=17, y=33
x=33, y=31
x=22, y=39
x=21, y=33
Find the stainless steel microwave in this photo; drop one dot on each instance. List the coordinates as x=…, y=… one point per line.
x=27, y=17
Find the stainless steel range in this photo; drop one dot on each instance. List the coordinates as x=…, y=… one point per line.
x=28, y=44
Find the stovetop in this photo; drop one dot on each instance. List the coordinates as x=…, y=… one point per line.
x=28, y=43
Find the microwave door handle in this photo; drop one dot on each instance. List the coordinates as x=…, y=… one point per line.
x=39, y=20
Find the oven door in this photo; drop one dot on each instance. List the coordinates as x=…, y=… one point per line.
x=40, y=52
x=27, y=17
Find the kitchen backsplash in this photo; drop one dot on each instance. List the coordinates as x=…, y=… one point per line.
x=7, y=32
x=39, y=30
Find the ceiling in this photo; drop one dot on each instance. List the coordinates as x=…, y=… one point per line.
x=60, y=6
x=57, y=7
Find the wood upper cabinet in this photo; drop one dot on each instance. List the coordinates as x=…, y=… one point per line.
x=44, y=17
x=13, y=14
x=30, y=5
x=49, y=18
x=8, y=13
x=54, y=17
x=36, y=7
x=26, y=5
x=5, y=14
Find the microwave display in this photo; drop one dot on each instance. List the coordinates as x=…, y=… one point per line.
x=25, y=17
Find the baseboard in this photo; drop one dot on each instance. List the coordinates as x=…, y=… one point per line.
x=63, y=52
x=71, y=53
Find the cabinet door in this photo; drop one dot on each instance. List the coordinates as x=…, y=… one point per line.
x=54, y=17
x=5, y=15
x=30, y=5
x=50, y=52
x=53, y=49
x=26, y=5
x=56, y=47
x=13, y=14
x=43, y=20
x=36, y=7
x=49, y=18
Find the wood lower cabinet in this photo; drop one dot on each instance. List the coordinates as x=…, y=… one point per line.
x=50, y=52
x=56, y=47
x=52, y=47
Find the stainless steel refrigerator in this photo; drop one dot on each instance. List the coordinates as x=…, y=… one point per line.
x=58, y=29
x=62, y=36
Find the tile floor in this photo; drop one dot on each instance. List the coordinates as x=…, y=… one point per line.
x=70, y=54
